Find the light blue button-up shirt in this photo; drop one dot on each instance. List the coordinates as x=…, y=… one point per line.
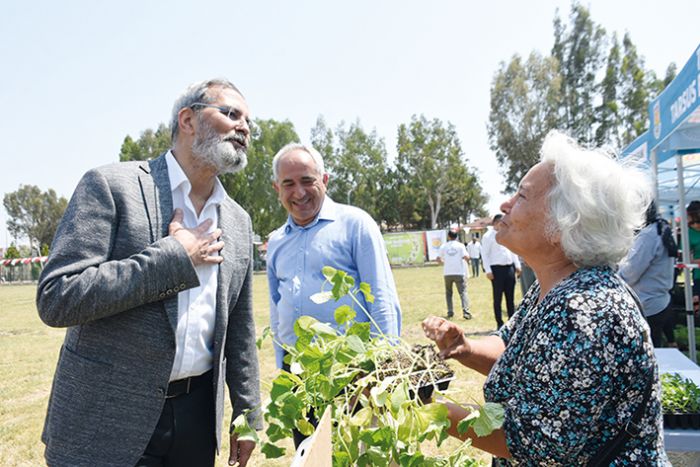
x=341, y=236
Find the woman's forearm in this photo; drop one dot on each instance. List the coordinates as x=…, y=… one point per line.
x=480, y=354
x=495, y=443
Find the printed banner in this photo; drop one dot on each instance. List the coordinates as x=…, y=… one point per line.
x=405, y=248
x=434, y=239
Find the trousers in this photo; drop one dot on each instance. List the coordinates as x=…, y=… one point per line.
x=503, y=284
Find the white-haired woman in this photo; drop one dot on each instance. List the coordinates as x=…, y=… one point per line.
x=575, y=366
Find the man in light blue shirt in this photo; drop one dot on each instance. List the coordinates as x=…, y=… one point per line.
x=320, y=232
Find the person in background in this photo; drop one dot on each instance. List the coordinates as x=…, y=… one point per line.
x=693, y=213
x=574, y=369
x=151, y=274
x=474, y=252
x=453, y=255
x=320, y=232
x=648, y=269
x=502, y=267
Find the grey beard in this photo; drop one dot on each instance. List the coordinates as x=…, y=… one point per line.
x=218, y=152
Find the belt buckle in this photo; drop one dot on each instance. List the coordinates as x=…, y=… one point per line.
x=187, y=390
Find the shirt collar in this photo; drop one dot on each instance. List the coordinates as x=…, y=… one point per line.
x=178, y=179
x=328, y=212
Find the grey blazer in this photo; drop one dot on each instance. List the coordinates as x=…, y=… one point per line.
x=112, y=280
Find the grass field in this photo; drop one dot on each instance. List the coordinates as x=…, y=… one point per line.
x=29, y=349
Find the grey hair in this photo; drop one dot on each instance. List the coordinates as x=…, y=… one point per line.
x=196, y=92
x=310, y=150
x=596, y=203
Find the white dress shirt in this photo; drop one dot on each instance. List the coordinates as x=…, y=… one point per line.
x=194, y=338
x=474, y=249
x=495, y=254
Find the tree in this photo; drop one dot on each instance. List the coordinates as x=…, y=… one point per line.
x=464, y=197
x=360, y=162
x=525, y=101
x=252, y=187
x=608, y=112
x=636, y=87
x=150, y=144
x=357, y=163
x=322, y=140
x=579, y=52
x=34, y=214
x=12, y=252
x=430, y=158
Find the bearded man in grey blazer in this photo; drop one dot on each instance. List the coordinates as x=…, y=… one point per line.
x=150, y=271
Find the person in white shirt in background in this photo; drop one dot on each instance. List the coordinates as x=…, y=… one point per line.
x=474, y=252
x=502, y=267
x=453, y=255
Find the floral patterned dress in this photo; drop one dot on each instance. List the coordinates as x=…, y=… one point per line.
x=573, y=372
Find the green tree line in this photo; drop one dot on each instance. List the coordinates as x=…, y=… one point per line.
x=429, y=185
x=592, y=85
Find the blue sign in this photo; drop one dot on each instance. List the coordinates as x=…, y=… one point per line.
x=638, y=149
x=669, y=113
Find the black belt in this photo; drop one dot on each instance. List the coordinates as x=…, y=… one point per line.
x=188, y=385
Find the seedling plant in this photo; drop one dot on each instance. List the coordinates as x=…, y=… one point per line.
x=377, y=417
x=679, y=395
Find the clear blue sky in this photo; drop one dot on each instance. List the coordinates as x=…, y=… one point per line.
x=78, y=76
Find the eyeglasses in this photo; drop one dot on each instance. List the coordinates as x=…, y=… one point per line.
x=231, y=113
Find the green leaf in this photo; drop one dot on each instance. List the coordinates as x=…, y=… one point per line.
x=305, y=427
x=341, y=459
x=355, y=344
x=302, y=326
x=398, y=397
x=467, y=422
x=433, y=420
x=363, y=417
x=328, y=272
x=491, y=416
x=244, y=431
x=379, y=437
x=279, y=388
x=367, y=291
x=344, y=313
x=323, y=329
x=290, y=406
x=378, y=395
x=271, y=451
x=340, y=285
x=361, y=330
x=265, y=334
x=311, y=358
x=276, y=432
x=374, y=457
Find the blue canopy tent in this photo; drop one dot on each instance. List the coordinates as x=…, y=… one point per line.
x=672, y=149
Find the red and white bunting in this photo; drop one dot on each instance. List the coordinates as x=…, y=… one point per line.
x=16, y=261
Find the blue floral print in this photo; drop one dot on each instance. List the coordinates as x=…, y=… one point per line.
x=574, y=370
